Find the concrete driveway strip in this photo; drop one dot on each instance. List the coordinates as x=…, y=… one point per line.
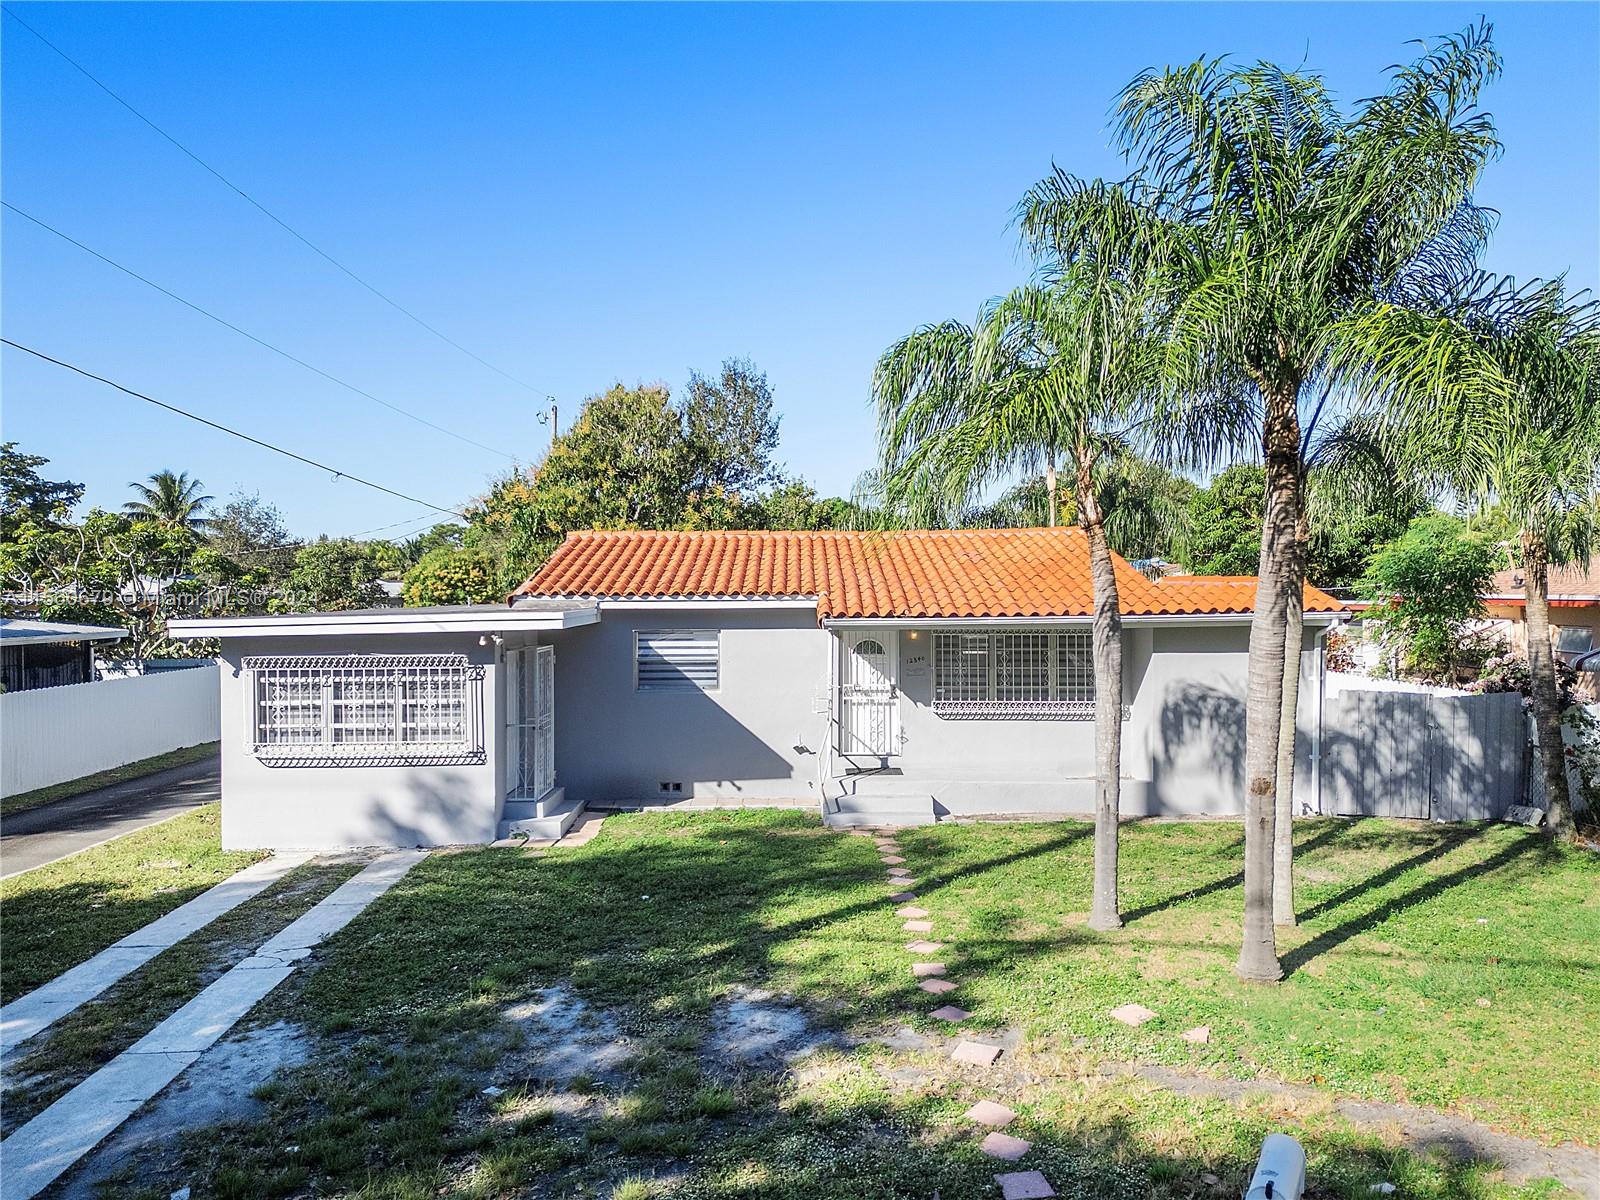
x=42, y=835
x=39, y=1009
x=42, y=1150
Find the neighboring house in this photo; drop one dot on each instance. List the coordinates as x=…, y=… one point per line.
x=1574, y=614
x=874, y=676
x=43, y=654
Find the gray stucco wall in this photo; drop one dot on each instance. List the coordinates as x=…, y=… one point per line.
x=758, y=735
x=1182, y=749
x=286, y=806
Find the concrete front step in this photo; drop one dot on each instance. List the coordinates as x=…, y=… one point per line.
x=540, y=820
x=875, y=808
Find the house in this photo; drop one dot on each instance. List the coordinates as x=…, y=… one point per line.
x=43, y=654
x=1574, y=615
x=874, y=677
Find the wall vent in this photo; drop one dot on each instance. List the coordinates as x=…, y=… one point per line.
x=672, y=787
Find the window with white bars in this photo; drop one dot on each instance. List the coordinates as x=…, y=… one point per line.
x=961, y=667
x=365, y=707
x=677, y=660
x=1031, y=674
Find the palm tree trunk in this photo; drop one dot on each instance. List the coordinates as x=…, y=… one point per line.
x=1258, y=955
x=1105, y=912
x=1050, y=489
x=1288, y=738
x=1542, y=676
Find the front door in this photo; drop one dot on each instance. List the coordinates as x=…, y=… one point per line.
x=531, y=722
x=867, y=697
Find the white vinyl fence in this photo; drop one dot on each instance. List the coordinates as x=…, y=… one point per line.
x=51, y=735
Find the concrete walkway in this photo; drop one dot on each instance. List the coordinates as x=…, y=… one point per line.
x=41, y=835
x=42, y=1150
x=39, y=1009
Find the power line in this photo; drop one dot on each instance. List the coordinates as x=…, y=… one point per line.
x=392, y=525
x=245, y=333
x=263, y=209
x=310, y=462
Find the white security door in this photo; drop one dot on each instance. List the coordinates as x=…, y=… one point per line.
x=531, y=721
x=867, y=697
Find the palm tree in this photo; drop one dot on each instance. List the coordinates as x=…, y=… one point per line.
x=1277, y=219
x=1513, y=422
x=1052, y=368
x=170, y=498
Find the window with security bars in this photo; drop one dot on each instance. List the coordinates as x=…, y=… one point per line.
x=1032, y=674
x=380, y=707
x=961, y=667
x=677, y=660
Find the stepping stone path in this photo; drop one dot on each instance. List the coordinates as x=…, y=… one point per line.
x=979, y=1054
x=1199, y=1035
x=1003, y=1145
x=1133, y=1014
x=1024, y=1185
x=1014, y=1185
x=987, y=1112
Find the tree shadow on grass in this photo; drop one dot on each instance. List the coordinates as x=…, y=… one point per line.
x=1329, y=939
x=405, y=1126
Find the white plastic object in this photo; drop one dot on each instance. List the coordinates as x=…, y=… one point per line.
x=1281, y=1170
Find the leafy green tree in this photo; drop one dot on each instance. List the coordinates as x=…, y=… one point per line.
x=332, y=576
x=635, y=460
x=453, y=575
x=252, y=532
x=1225, y=523
x=1279, y=221
x=171, y=499
x=446, y=533
x=26, y=495
x=1425, y=586
x=623, y=465
x=1511, y=421
x=731, y=430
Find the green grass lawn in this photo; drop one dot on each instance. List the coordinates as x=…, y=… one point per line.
x=1427, y=968
x=657, y=918
x=23, y=801
x=58, y=915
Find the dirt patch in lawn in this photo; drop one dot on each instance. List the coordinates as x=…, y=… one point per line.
x=754, y=1027
x=569, y=1039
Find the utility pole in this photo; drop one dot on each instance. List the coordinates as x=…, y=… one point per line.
x=549, y=418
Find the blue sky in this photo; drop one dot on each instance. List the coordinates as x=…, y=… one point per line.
x=597, y=193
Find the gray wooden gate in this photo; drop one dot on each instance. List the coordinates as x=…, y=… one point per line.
x=1408, y=754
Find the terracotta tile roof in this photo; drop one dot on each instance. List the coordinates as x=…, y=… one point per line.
x=916, y=573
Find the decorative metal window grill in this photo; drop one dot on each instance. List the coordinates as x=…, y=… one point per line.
x=676, y=660
x=960, y=668
x=1075, y=666
x=1022, y=667
x=371, y=708
x=1035, y=675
